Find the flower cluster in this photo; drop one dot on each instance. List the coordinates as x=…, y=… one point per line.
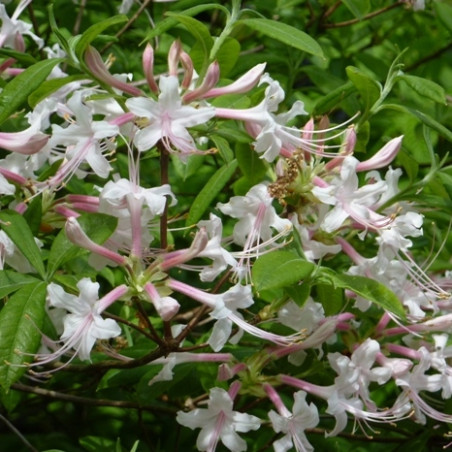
x=270, y=256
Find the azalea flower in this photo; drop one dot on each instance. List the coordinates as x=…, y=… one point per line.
x=83, y=140
x=13, y=29
x=350, y=200
x=293, y=424
x=219, y=422
x=83, y=323
x=168, y=119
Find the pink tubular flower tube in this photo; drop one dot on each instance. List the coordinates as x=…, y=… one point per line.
x=77, y=236
x=95, y=64
x=27, y=142
x=383, y=157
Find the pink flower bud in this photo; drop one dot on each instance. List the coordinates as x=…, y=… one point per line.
x=97, y=67
x=26, y=142
x=383, y=157
x=174, y=57
x=166, y=307
x=148, y=67
x=241, y=85
x=77, y=236
x=210, y=80
x=187, y=64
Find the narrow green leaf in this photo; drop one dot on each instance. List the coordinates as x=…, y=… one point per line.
x=50, y=86
x=367, y=288
x=33, y=215
x=21, y=57
x=359, y=8
x=334, y=98
x=59, y=35
x=425, y=88
x=97, y=226
x=214, y=185
x=427, y=120
x=16, y=92
x=10, y=281
x=279, y=269
x=20, y=233
x=95, y=30
x=20, y=321
x=287, y=34
x=223, y=148
x=368, y=88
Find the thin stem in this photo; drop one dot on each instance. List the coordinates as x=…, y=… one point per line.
x=78, y=20
x=16, y=432
x=35, y=24
x=84, y=400
x=144, y=317
x=129, y=324
x=347, y=23
x=128, y=24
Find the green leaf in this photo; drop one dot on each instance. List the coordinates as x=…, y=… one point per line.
x=444, y=14
x=201, y=33
x=279, y=269
x=284, y=33
x=10, y=281
x=228, y=55
x=170, y=22
x=425, y=88
x=223, y=148
x=368, y=88
x=95, y=30
x=299, y=293
x=20, y=321
x=33, y=215
x=367, y=288
x=359, y=8
x=59, y=35
x=97, y=226
x=16, y=92
x=331, y=298
x=20, y=233
x=334, y=98
x=208, y=193
x=427, y=120
x=21, y=57
x=50, y=86
x=252, y=167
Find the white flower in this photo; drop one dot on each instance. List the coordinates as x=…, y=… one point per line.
x=83, y=141
x=219, y=422
x=214, y=251
x=13, y=29
x=257, y=217
x=83, y=323
x=294, y=424
x=350, y=200
x=168, y=119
